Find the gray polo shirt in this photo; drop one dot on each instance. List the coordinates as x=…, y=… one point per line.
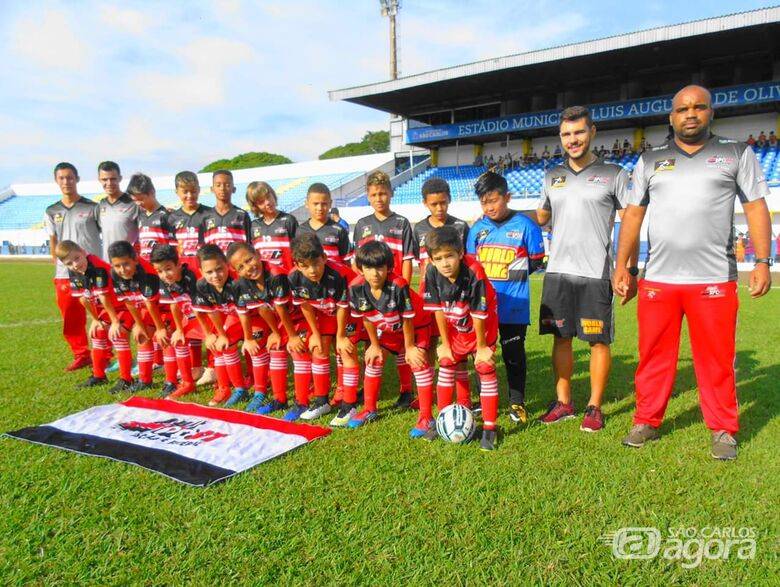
x=583, y=205
x=690, y=208
x=118, y=221
x=79, y=223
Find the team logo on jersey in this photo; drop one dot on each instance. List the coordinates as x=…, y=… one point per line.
x=514, y=234
x=597, y=180
x=391, y=304
x=664, y=165
x=302, y=293
x=482, y=234
x=592, y=326
x=720, y=162
x=559, y=181
x=210, y=224
x=58, y=217
x=366, y=232
x=363, y=305
x=498, y=260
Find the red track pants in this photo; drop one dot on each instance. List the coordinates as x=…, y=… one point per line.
x=74, y=319
x=711, y=311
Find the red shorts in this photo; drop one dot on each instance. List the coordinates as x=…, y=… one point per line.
x=329, y=324
x=394, y=342
x=232, y=327
x=125, y=319
x=464, y=345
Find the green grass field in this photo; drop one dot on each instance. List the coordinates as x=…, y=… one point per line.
x=373, y=507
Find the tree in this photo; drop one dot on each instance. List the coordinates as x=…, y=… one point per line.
x=246, y=160
x=372, y=142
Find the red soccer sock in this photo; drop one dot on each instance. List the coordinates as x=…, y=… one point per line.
x=260, y=364
x=462, y=390
x=145, y=362
x=445, y=386
x=278, y=375
x=302, y=377
x=424, y=378
x=320, y=372
x=196, y=353
x=158, y=354
x=404, y=372
x=339, y=371
x=488, y=397
x=169, y=362
x=233, y=366
x=351, y=377
x=99, y=354
x=125, y=358
x=184, y=362
x=223, y=379
x=372, y=382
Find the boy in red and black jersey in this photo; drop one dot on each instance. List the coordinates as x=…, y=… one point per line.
x=464, y=301
x=333, y=236
x=214, y=304
x=395, y=323
x=225, y=223
x=90, y=281
x=153, y=224
x=319, y=288
x=176, y=326
x=187, y=221
x=273, y=230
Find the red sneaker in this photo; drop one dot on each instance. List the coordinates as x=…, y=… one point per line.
x=183, y=389
x=221, y=394
x=79, y=363
x=593, y=420
x=558, y=412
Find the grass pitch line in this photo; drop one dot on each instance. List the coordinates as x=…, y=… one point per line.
x=28, y=323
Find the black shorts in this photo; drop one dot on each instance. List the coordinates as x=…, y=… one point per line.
x=577, y=306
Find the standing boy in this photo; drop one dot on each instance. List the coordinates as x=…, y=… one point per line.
x=333, y=236
x=153, y=224
x=272, y=230
x=225, y=223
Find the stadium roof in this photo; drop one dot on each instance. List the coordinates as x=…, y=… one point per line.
x=637, y=50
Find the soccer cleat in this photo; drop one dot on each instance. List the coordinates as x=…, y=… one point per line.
x=640, y=434
x=364, y=417
x=113, y=367
x=345, y=414
x=221, y=394
x=182, y=389
x=431, y=433
x=294, y=412
x=209, y=377
x=558, y=412
x=239, y=395
x=404, y=400
x=415, y=405
x=258, y=399
x=122, y=386
x=141, y=386
x=157, y=367
x=476, y=409
x=92, y=382
x=422, y=427
x=517, y=414
x=79, y=363
x=338, y=397
x=167, y=389
x=272, y=406
x=316, y=411
x=488, y=441
x=593, y=420
x=724, y=446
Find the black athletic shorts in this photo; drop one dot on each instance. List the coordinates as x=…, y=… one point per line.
x=577, y=306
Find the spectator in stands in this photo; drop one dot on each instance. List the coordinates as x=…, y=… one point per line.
x=761, y=139
x=118, y=213
x=777, y=247
x=642, y=145
x=616, y=148
x=750, y=251
x=478, y=160
x=534, y=157
x=490, y=161
x=545, y=154
x=772, y=139
x=77, y=219
x=557, y=153
x=627, y=147
x=739, y=248
x=751, y=141
x=336, y=217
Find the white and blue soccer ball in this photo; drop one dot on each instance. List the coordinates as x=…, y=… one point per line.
x=456, y=424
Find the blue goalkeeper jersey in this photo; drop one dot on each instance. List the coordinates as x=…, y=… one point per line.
x=505, y=250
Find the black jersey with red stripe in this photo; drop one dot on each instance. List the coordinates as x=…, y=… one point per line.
x=188, y=230
x=423, y=227
x=94, y=282
x=154, y=229
x=208, y=299
x=394, y=230
x=470, y=296
x=272, y=240
x=143, y=285
x=223, y=229
x=180, y=293
x=275, y=290
x=326, y=296
x=396, y=303
x=334, y=239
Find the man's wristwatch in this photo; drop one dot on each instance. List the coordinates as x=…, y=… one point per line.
x=765, y=260
x=633, y=271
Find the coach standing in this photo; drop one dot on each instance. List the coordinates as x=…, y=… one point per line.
x=688, y=186
x=118, y=212
x=72, y=218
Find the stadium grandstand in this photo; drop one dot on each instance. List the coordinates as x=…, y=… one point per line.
x=503, y=113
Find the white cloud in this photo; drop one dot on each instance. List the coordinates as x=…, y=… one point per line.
x=124, y=20
x=48, y=39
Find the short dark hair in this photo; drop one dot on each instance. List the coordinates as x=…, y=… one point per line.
x=66, y=165
x=162, y=252
x=236, y=246
x=335, y=211
x=374, y=254
x=210, y=253
x=109, y=166
x=140, y=184
x=222, y=172
x=490, y=182
x=318, y=188
x=444, y=237
x=573, y=113
x=436, y=185
x=121, y=249
x=306, y=247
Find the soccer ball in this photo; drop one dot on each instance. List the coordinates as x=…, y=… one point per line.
x=455, y=423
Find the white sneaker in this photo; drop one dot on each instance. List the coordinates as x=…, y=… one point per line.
x=343, y=417
x=315, y=412
x=209, y=377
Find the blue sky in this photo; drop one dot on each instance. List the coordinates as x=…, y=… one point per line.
x=165, y=86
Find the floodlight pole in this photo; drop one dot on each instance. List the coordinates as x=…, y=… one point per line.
x=390, y=9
